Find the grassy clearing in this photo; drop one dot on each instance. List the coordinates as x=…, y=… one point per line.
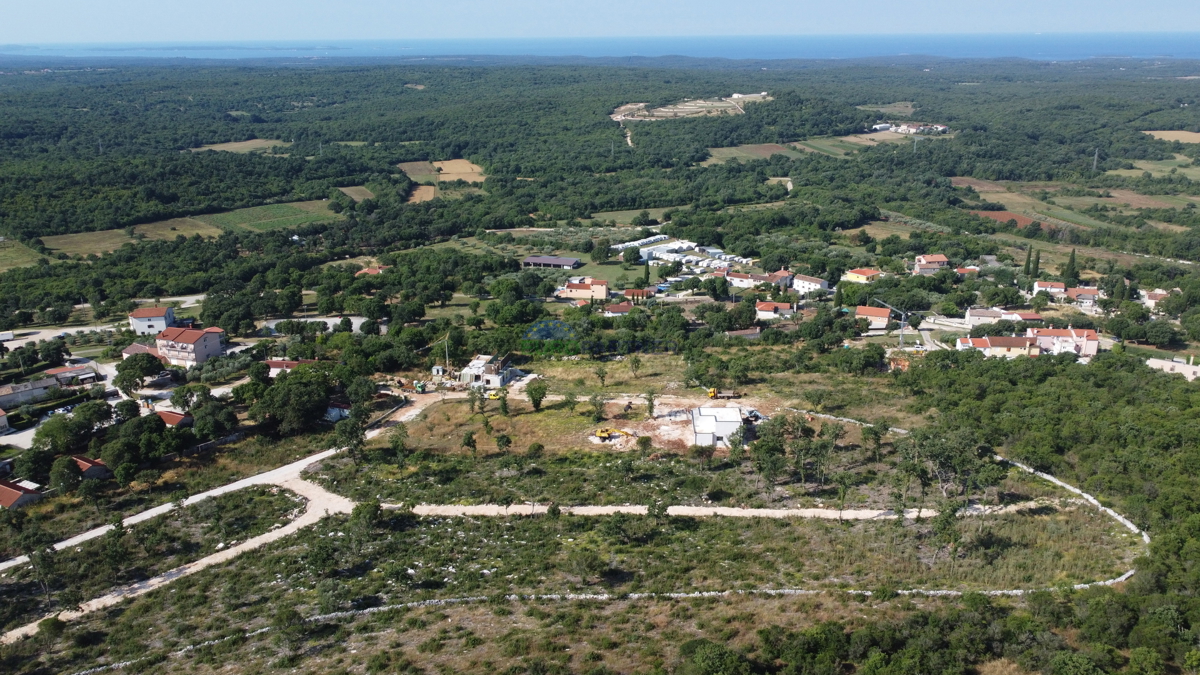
x=1181, y=136
x=748, y=153
x=358, y=193
x=1180, y=164
x=14, y=254
x=272, y=216
x=242, y=147
x=146, y=550
x=828, y=146
x=626, y=217
x=897, y=108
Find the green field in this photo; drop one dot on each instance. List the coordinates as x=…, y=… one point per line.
x=104, y=241
x=1181, y=164
x=830, y=146
x=626, y=217
x=15, y=254
x=272, y=216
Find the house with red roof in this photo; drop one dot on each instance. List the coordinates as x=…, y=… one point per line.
x=769, y=311
x=278, y=366
x=1084, y=297
x=619, y=309
x=189, y=347
x=878, y=316
x=14, y=496
x=1000, y=346
x=639, y=293
x=175, y=419
x=92, y=468
x=1020, y=316
x=584, y=288
x=1054, y=288
x=371, y=271
x=861, y=275
x=151, y=320
x=805, y=284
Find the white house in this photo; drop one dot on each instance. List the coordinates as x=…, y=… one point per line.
x=714, y=426
x=805, y=284
x=1188, y=370
x=1055, y=288
x=1084, y=297
x=1063, y=340
x=1000, y=346
x=188, y=347
x=978, y=317
x=16, y=495
x=768, y=311
x=151, y=320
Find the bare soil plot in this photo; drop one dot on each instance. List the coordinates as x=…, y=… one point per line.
x=459, y=169
x=687, y=108
x=421, y=172
x=747, y=153
x=897, y=108
x=358, y=193
x=422, y=193
x=254, y=145
x=14, y=254
x=980, y=185
x=1181, y=136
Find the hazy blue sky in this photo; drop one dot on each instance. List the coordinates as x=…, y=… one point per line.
x=57, y=21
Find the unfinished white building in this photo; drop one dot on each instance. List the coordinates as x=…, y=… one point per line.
x=714, y=426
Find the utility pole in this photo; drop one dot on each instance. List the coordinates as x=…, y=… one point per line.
x=903, y=318
x=1096, y=159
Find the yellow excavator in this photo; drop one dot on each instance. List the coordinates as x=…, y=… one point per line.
x=609, y=433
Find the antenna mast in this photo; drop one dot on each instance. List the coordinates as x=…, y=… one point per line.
x=1096, y=159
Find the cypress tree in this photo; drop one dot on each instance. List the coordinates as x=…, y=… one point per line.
x=1037, y=264
x=1070, y=273
x=1028, y=260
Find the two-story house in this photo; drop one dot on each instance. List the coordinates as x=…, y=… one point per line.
x=188, y=347
x=151, y=320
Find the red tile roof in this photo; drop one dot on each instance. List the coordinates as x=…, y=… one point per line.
x=172, y=418
x=86, y=463
x=934, y=258
x=880, y=312
x=371, y=270
x=772, y=306
x=186, y=335
x=66, y=369
x=149, y=312
x=619, y=308
x=1077, y=333
x=11, y=492
x=639, y=293
x=862, y=271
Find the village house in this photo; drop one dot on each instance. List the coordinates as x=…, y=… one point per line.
x=337, y=411
x=1079, y=341
x=714, y=426
x=782, y=278
x=1151, y=299
x=1054, y=288
x=584, y=288
x=1000, y=346
x=861, y=275
x=878, y=316
x=188, y=347
x=925, y=270
x=139, y=348
x=490, y=372
x=767, y=311
x=618, y=309
x=964, y=271
x=74, y=374
x=936, y=259
x=1007, y=315
x=977, y=316
x=551, y=261
x=1189, y=369
x=92, y=468
x=278, y=366
x=151, y=320
x=175, y=419
x=14, y=496
x=639, y=293
x=805, y=284
x=13, y=395
x=1084, y=297
x=4, y=429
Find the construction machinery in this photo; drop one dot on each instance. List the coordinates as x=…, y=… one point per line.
x=714, y=393
x=609, y=433
x=493, y=396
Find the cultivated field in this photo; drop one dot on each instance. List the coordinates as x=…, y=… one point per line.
x=422, y=193
x=255, y=145
x=104, y=241
x=357, y=193
x=459, y=169
x=747, y=153
x=897, y=108
x=419, y=172
x=272, y=216
x=1181, y=136
x=14, y=254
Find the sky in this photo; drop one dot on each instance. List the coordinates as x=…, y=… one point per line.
x=124, y=21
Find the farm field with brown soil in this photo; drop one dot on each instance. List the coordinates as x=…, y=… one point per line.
x=358, y=193
x=1181, y=136
x=419, y=172
x=1005, y=216
x=254, y=145
x=422, y=193
x=459, y=169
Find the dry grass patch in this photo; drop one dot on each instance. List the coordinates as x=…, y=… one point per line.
x=242, y=147
x=748, y=153
x=169, y=229
x=14, y=254
x=1181, y=136
x=84, y=243
x=981, y=186
x=897, y=108
x=358, y=193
